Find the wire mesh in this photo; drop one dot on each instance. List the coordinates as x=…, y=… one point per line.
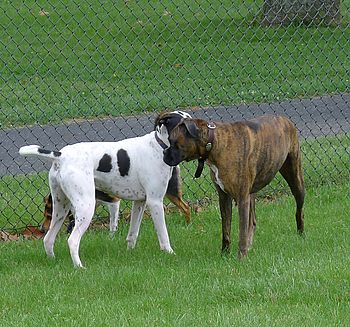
x=73, y=71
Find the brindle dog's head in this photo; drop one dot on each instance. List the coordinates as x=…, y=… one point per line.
x=185, y=142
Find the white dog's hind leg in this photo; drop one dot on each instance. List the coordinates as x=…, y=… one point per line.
x=80, y=189
x=113, y=216
x=61, y=206
x=83, y=215
x=138, y=208
x=157, y=213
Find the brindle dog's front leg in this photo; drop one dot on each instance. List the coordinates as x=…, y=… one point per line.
x=225, y=201
x=243, y=212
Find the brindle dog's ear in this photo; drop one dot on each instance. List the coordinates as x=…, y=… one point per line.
x=191, y=127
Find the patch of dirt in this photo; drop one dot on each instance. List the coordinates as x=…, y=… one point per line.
x=29, y=233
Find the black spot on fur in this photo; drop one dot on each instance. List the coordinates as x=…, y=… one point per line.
x=123, y=162
x=55, y=153
x=104, y=196
x=174, y=186
x=105, y=164
x=70, y=225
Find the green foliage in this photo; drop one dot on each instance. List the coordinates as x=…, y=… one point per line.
x=93, y=59
x=22, y=200
x=326, y=159
x=287, y=280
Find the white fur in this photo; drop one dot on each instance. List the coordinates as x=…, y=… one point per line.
x=73, y=178
x=215, y=170
x=183, y=114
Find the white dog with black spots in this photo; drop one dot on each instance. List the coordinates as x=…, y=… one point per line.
x=131, y=169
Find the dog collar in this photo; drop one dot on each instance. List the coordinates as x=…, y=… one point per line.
x=160, y=142
x=211, y=127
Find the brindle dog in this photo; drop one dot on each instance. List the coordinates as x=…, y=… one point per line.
x=243, y=158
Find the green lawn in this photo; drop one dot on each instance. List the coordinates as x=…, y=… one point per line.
x=91, y=59
x=287, y=280
x=88, y=59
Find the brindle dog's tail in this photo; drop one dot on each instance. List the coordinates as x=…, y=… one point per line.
x=36, y=150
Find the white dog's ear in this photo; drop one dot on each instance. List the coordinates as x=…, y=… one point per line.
x=159, y=121
x=160, y=124
x=162, y=133
x=191, y=127
x=162, y=130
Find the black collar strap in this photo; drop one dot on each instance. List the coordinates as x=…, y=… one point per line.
x=208, y=147
x=160, y=142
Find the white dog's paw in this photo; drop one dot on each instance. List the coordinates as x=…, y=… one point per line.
x=131, y=245
x=79, y=266
x=112, y=234
x=113, y=228
x=50, y=253
x=168, y=249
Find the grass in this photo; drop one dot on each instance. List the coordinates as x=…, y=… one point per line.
x=84, y=59
x=286, y=280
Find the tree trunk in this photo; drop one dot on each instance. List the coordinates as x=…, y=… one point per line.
x=284, y=12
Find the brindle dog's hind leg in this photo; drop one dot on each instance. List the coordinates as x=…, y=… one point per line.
x=293, y=174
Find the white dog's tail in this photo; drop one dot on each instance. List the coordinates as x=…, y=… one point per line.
x=36, y=150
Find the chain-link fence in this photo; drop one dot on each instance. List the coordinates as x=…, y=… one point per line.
x=74, y=71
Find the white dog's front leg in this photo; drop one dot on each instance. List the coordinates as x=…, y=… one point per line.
x=138, y=208
x=157, y=213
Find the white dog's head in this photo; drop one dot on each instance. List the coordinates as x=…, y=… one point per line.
x=166, y=121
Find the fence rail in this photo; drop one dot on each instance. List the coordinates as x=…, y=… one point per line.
x=74, y=71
